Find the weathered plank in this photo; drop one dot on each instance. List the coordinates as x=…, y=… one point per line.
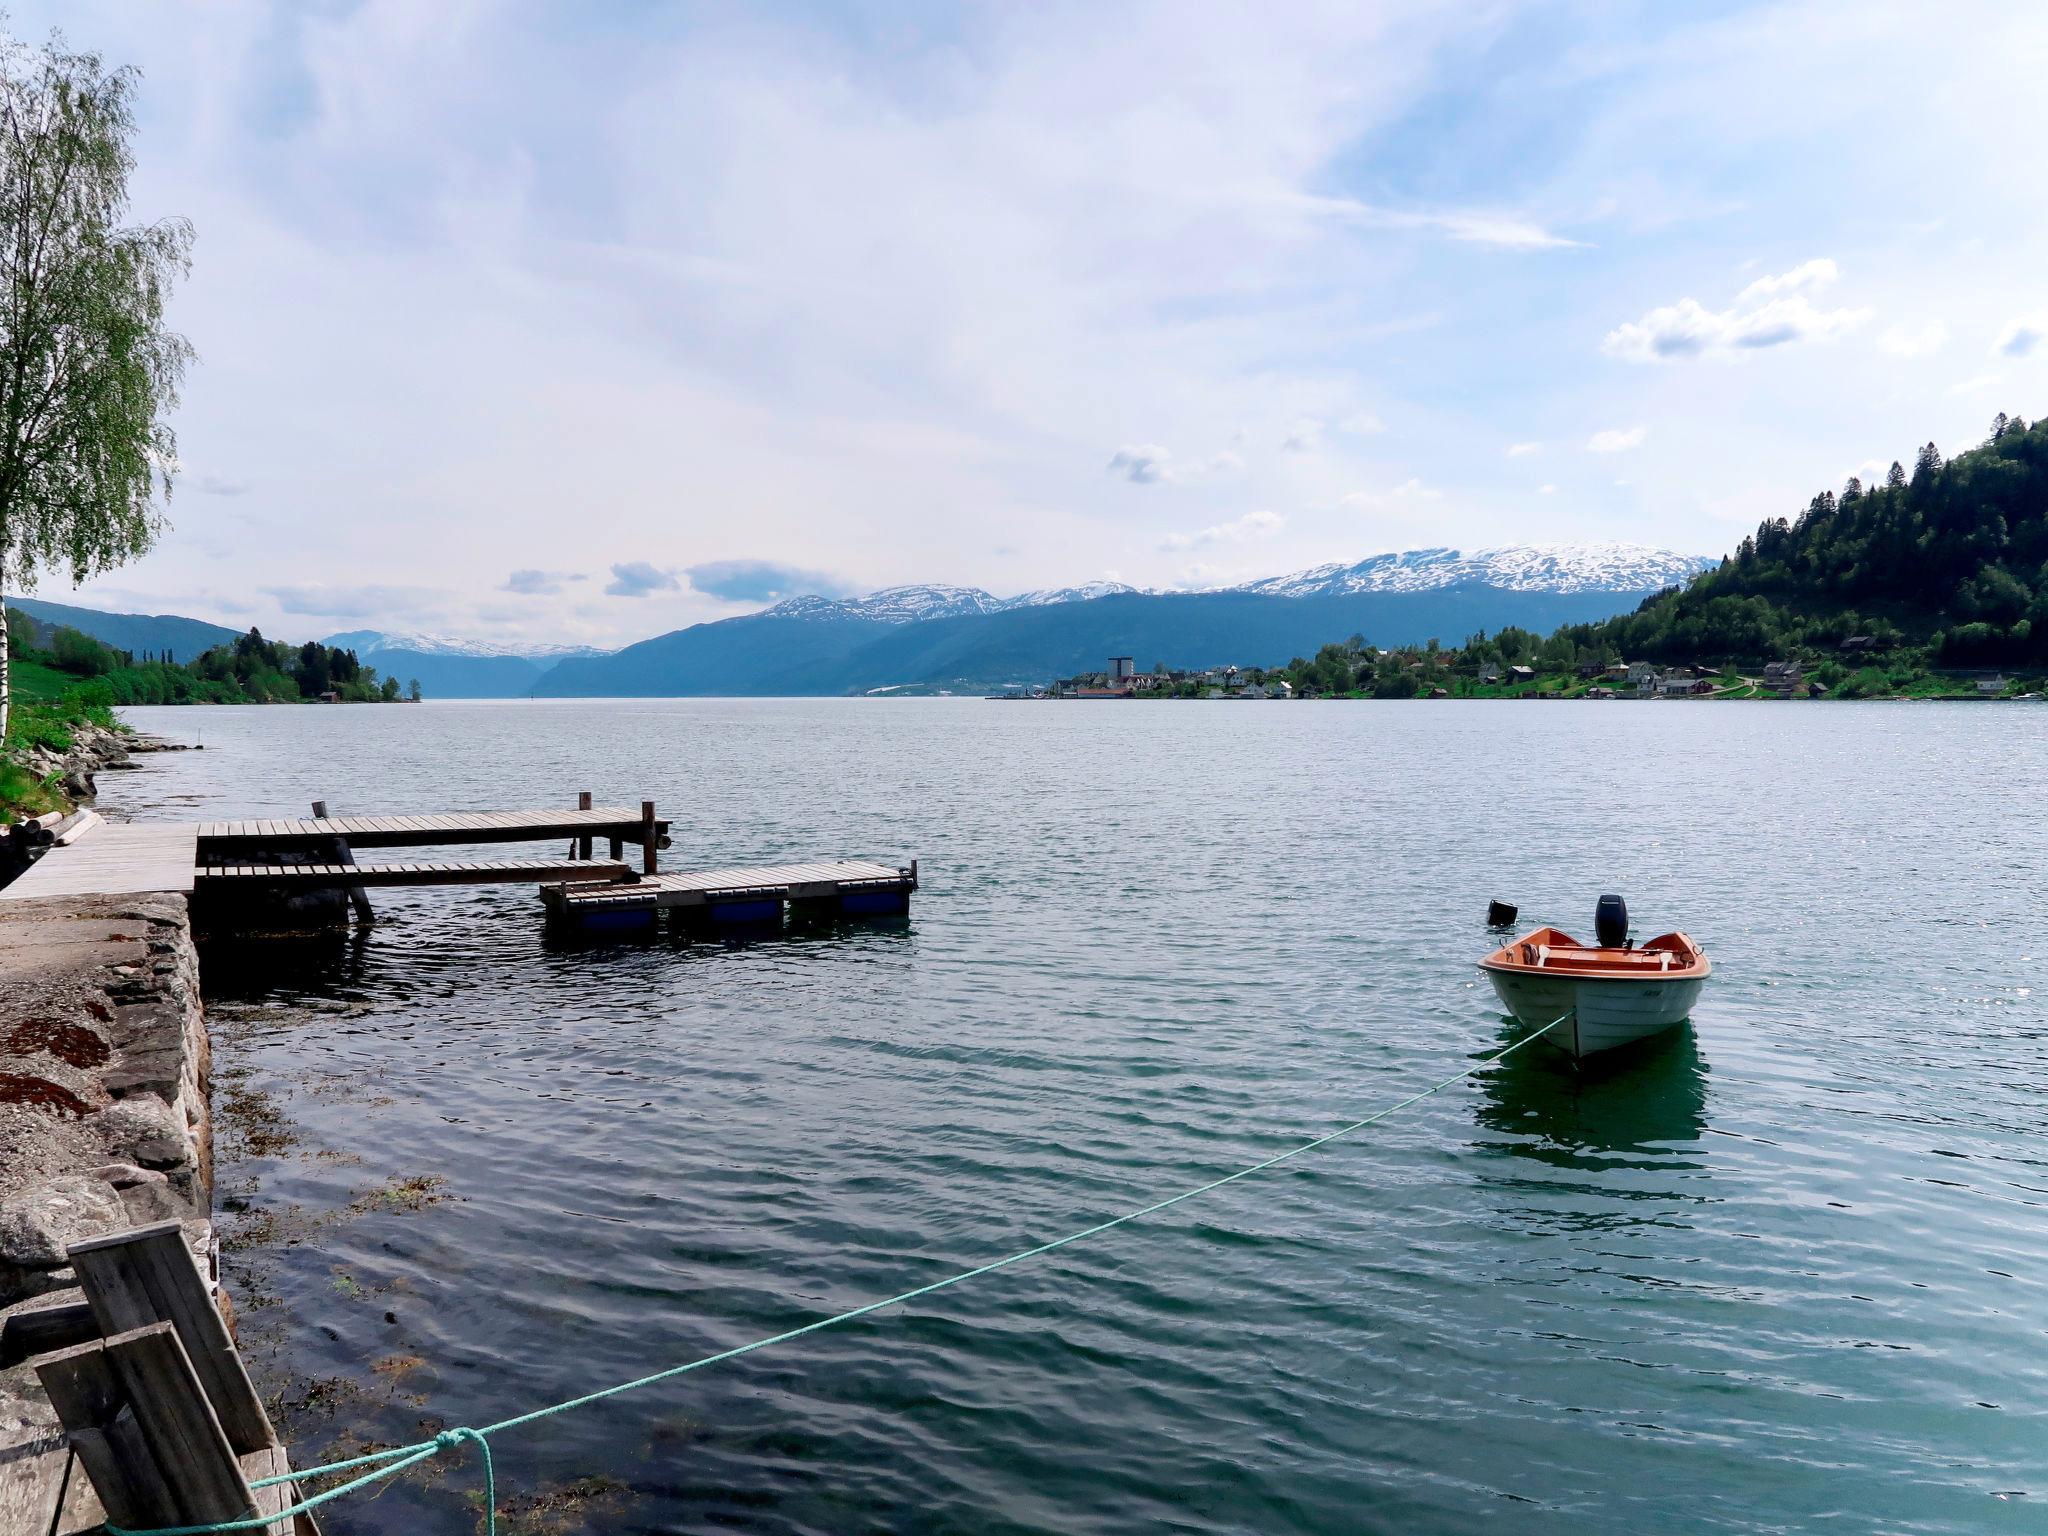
x=498, y=872
x=113, y=859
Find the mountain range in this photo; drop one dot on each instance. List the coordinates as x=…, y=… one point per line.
x=930, y=637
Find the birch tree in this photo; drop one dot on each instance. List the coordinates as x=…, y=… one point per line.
x=88, y=371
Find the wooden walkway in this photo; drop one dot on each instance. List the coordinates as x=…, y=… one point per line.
x=491, y=872
x=113, y=859
x=219, y=837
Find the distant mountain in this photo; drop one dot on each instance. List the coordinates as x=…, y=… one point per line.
x=1524, y=568
x=137, y=632
x=448, y=668
x=941, y=636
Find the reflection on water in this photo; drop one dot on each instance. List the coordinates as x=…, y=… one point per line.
x=1631, y=1107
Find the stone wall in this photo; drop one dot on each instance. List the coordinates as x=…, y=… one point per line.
x=104, y=1120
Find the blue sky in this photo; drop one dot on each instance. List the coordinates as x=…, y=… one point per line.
x=585, y=322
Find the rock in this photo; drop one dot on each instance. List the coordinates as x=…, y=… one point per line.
x=146, y=1194
x=35, y=1227
x=143, y=1130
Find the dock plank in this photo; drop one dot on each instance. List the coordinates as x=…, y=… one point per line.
x=497, y=872
x=114, y=859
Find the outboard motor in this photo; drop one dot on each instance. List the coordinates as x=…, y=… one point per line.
x=1610, y=922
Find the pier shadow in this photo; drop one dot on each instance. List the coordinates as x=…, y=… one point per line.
x=339, y=960
x=1632, y=1107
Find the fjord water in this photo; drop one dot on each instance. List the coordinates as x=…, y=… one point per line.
x=1784, y=1271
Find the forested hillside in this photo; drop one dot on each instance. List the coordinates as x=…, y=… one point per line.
x=1950, y=559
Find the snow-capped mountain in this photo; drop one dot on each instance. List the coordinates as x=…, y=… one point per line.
x=1599, y=567
x=890, y=605
x=1596, y=567
x=369, y=642
x=1087, y=591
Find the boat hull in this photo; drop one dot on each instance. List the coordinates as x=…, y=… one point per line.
x=1606, y=1011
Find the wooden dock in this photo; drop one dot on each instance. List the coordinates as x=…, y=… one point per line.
x=608, y=822
x=113, y=859
x=846, y=887
x=293, y=873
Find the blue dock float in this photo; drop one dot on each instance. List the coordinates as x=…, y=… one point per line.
x=734, y=897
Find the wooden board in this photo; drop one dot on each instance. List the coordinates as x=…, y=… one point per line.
x=113, y=859
x=215, y=877
x=220, y=838
x=772, y=882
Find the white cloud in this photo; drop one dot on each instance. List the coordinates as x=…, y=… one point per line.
x=1141, y=463
x=1807, y=277
x=1305, y=436
x=1971, y=386
x=1523, y=450
x=1546, y=490
x=1471, y=226
x=1149, y=464
x=1617, y=439
x=1409, y=490
x=2021, y=336
x=1905, y=340
x=1362, y=424
x=1770, y=312
x=1253, y=525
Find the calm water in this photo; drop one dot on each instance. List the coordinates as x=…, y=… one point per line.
x=1784, y=1273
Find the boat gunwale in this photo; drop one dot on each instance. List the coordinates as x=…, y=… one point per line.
x=1609, y=964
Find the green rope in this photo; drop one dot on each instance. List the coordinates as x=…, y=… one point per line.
x=392, y=1462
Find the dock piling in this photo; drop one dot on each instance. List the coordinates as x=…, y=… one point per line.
x=583, y=803
x=648, y=865
x=358, y=898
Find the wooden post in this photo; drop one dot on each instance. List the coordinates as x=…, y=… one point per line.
x=357, y=896
x=583, y=843
x=647, y=863
x=147, y=1275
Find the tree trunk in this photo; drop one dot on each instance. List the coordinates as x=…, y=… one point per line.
x=5, y=694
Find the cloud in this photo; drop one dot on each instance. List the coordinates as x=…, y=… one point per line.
x=1770, y=312
x=1523, y=450
x=1914, y=340
x=220, y=485
x=1807, y=277
x=636, y=578
x=1305, y=436
x=1546, y=490
x=1149, y=464
x=1971, y=386
x=539, y=583
x=1616, y=439
x=2021, y=336
x=1253, y=525
x=1472, y=226
x=1362, y=424
x=1409, y=490
x=1141, y=464
x=317, y=600
x=758, y=581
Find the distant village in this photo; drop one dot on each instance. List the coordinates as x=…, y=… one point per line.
x=1355, y=669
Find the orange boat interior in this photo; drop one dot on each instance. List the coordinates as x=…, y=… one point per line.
x=1549, y=949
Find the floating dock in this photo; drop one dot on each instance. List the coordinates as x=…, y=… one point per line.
x=846, y=888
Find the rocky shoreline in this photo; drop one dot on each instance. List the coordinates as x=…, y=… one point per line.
x=94, y=750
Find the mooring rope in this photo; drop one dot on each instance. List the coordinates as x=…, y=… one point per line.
x=390, y=1463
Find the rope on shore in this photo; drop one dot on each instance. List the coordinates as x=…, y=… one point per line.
x=390, y=1463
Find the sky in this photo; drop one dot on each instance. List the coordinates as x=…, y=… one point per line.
x=579, y=323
